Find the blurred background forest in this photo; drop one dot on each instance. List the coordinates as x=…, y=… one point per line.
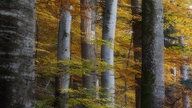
x=178, y=44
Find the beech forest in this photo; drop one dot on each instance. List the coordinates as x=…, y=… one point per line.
x=95, y=53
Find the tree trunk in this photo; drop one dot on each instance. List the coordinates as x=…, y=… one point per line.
x=125, y=90
x=171, y=91
x=62, y=81
x=137, y=44
x=185, y=96
x=184, y=74
x=107, y=50
x=186, y=100
x=152, y=87
x=89, y=49
x=17, y=51
x=174, y=72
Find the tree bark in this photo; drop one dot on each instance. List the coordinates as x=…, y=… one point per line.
x=186, y=100
x=185, y=96
x=174, y=72
x=89, y=49
x=171, y=91
x=17, y=51
x=184, y=74
x=137, y=44
x=107, y=50
x=62, y=81
x=152, y=87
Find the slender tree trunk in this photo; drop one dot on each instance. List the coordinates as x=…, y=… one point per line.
x=186, y=100
x=185, y=96
x=174, y=72
x=125, y=96
x=152, y=87
x=171, y=91
x=136, y=27
x=62, y=81
x=107, y=50
x=89, y=49
x=17, y=51
x=184, y=73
